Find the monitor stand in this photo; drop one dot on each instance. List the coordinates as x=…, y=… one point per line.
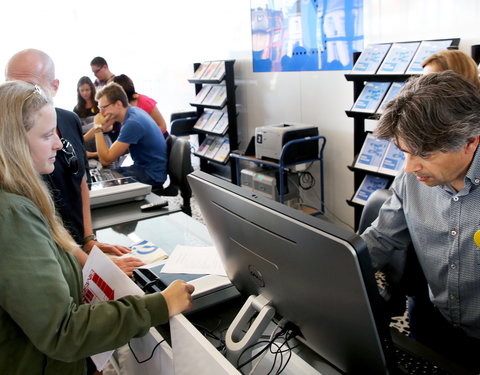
x=242, y=346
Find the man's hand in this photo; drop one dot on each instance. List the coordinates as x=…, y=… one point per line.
x=99, y=119
x=178, y=296
x=127, y=264
x=106, y=248
x=105, y=121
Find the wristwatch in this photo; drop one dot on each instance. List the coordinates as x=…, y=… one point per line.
x=91, y=237
x=98, y=128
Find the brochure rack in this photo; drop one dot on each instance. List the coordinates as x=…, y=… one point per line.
x=216, y=124
x=359, y=111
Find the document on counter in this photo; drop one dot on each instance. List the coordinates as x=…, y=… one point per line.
x=104, y=281
x=146, y=251
x=194, y=260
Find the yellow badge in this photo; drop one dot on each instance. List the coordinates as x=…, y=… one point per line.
x=476, y=238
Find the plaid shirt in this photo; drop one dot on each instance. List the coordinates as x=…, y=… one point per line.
x=441, y=224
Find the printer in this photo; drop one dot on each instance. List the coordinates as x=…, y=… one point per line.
x=270, y=139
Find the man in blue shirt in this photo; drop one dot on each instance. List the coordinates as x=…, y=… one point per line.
x=139, y=134
x=435, y=121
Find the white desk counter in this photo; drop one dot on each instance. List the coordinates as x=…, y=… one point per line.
x=192, y=353
x=105, y=217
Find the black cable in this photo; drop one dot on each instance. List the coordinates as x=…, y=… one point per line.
x=274, y=359
x=204, y=330
x=280, y=352
x=151, y=355
x=306, y=180
x=290, y=334
x=286, y=363
x=289, y=350
x=269, y=342
x=327, y=211
x=210, y=334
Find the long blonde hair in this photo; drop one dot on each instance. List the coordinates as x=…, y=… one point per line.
x=19, y=102
x=457, y=61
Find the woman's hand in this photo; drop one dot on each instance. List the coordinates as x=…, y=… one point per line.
x=127, y=264
x=178, y=296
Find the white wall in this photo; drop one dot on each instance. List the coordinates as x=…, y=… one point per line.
x=155, y=42
x=401, y=20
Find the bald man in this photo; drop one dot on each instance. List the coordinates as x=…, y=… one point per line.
x=68, y=180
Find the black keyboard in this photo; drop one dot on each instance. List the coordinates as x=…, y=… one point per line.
x=414, y=358
x=410, y=364
x=105, y=174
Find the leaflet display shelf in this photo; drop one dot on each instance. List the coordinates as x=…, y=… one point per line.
x=359, y=131
x=378, y=77
x=362, y=115
x=221, y=89
x=360, y=80
x=282, y=166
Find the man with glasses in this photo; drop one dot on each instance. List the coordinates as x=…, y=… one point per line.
x=139, y=134
x=102, y=73
x=68, y=180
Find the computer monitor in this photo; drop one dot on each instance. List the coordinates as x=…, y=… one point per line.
x=313, y=273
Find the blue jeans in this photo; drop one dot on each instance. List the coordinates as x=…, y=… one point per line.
x=140, y=175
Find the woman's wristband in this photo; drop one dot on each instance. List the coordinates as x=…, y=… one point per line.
x=89, y=238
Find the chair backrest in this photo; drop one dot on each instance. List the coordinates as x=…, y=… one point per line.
x=181, y=123
x=179, y=166
x=372, y=207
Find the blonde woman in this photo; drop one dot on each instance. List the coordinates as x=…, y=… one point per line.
x=44, y=327
x=455, y=60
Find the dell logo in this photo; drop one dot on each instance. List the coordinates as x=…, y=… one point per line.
x=256, y=275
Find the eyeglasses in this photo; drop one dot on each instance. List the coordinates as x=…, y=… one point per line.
x=97, y=70
x=70, y=156
x=101, y=108
x=37, y=90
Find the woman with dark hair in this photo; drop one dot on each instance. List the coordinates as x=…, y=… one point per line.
x=86, y=104
x=141, y=101
x=86, y=109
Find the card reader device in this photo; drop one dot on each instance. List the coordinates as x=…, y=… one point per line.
x=118, y=190
x=209, y=289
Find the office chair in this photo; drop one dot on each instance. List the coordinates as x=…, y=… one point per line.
x=410, y=281
x=179, y=166
x=372, y=207
x=181, y=123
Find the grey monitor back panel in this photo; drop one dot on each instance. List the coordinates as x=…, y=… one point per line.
x=316, y=275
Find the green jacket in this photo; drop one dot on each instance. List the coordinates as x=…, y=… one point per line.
x=44, y=326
